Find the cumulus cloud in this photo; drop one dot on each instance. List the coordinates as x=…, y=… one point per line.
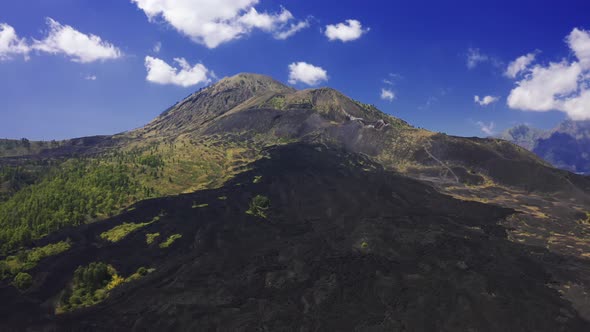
x=387, y=94
x=475, y=57
x=579, y=42
x=345, y=32
x=79, y=47
x=485, y=101
x=563, y=86
x=11, y=44
x=158, y=71
x=488, y=129
x=519, y=65
x=306, y=73
x=214, y=22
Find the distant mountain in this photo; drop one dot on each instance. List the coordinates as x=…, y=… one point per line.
x=566, y=147
x=252, y=206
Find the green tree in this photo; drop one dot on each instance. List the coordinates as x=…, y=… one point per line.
x=23, y=281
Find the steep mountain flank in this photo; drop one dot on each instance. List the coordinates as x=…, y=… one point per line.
x=344, y=245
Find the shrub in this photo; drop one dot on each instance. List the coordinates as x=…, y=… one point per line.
x=118, y=233
x=23, y=281
x=151, y=237
x=258, y=206
x=198, y=206
x=170, y=240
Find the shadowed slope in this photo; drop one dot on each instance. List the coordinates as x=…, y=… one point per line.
x=346, y=246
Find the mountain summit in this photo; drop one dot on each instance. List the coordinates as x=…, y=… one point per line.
x=253, y=206
x=245, y=92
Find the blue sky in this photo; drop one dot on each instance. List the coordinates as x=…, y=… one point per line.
x=422, y=48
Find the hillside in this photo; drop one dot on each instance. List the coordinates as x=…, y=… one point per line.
x=251, y=205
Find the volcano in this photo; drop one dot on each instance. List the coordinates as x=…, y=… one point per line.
x=253, y=206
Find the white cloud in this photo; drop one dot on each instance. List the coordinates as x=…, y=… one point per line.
x=579, y=41
x=519, y=65
x=488, y=129
x=348, y=31
x=158, y=71
x=306, y=73
x=485, y=101
x=562, y=86
x=11, y=44
x=214, y=22
x=387, y=94
x=157, y=48
x=265, y=21
x=90, y=78
x=80, y=47
x=475, y=57
x=293, y=29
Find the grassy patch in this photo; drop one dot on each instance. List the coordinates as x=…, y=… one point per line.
x=259, y=206
x=27, y=259
x=170, y=240
x=151, y=237
x=585, y=221
x=199, y=206
x=118, y=233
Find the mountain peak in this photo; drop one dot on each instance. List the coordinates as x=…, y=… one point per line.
x=254, y=82
x=247, y=91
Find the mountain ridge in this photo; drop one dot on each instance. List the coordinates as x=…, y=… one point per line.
x=567, y=146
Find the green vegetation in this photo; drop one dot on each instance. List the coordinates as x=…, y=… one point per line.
x=27, y=259
x=257, y=179
x=15, y=178
x=11, y=148
x=119, y=232
x=258, y=206
x=76, y=192
x=222, y=198
x=41, y=197
x=198, y=206
x=141, y=272
x=276, y=102
x=170, y=240
x=585, y=221
x=91, y=284
x=151, y=237
x=23, y=281
x=365, y=245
